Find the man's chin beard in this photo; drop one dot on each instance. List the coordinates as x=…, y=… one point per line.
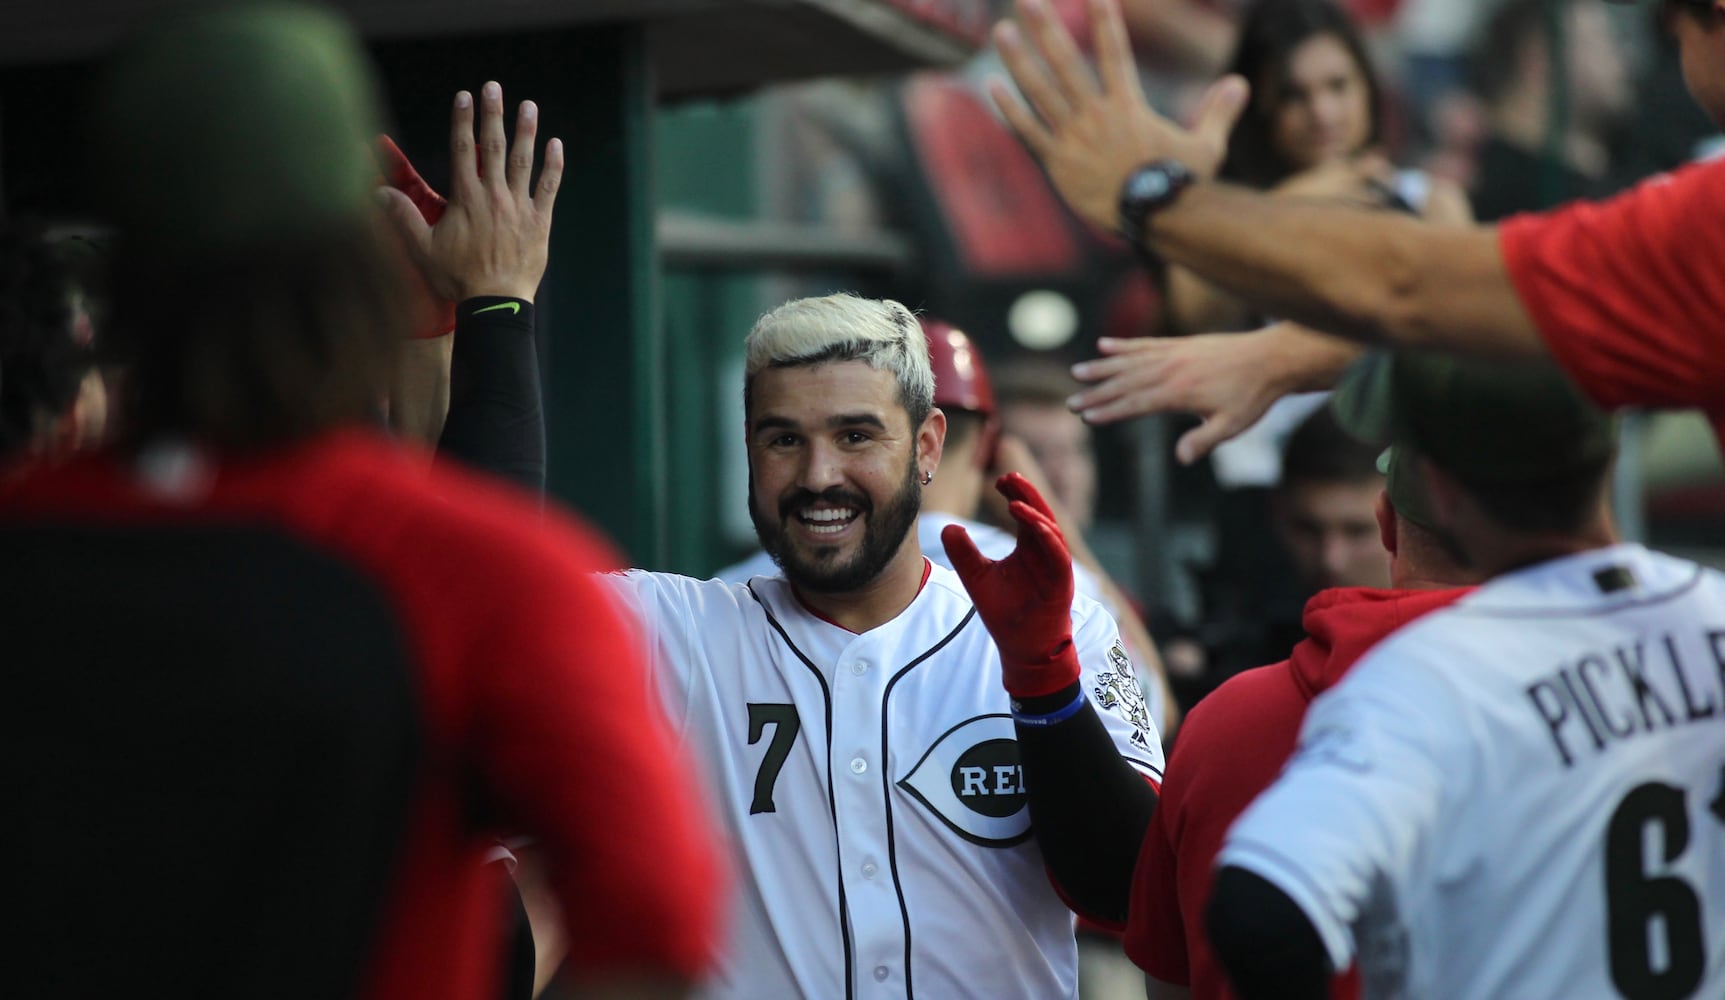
x=870, y=557
x=841, y=578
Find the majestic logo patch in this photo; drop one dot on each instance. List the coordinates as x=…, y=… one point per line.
x=1117, y=691
x=971, y=780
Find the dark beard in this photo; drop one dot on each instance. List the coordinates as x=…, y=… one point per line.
x=822, y=574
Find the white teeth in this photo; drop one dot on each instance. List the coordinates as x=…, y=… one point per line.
x=841, y=514
x=826, y=529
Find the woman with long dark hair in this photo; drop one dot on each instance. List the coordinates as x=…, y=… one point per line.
x=1313, y=128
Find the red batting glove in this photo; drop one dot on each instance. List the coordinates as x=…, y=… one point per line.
x=1025, y=600
x=438, y=312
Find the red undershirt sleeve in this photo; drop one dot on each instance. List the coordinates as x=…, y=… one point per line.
x=1155, y=935
x=1626, y=292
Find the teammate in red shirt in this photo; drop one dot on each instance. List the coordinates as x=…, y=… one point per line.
x=1626, y=293
x=1621, y=294
x=1236, y=740
x=272, y=689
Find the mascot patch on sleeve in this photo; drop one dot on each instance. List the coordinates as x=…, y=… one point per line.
x=1117, y=691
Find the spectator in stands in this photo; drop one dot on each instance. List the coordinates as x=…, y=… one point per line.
x=1313, y=128
x=1522, y=165
x=1324, y=534
x=1324, y=508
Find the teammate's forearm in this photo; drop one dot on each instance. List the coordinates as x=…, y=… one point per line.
x=1285, y=255
x=419, y=389
x=496, y=419
x=1306, y=360
x=1358, y=273
x=1089, y=807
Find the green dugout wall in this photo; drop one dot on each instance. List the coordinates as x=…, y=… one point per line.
x=629, y=348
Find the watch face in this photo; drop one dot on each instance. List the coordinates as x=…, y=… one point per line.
x=1149, y=185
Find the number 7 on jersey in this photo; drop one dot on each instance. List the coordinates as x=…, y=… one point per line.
x=785, y=722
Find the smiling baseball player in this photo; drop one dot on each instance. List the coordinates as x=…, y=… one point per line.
x=873, y=750
x=1520, y=795
x=965, y=394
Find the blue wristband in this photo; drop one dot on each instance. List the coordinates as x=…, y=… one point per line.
x=1055, y=717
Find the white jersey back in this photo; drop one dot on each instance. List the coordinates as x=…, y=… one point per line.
x=870, y=785
x=1521, y=795
x=995, y=544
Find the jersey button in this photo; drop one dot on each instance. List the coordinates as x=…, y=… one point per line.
x=860, y=667
x=880, y=973
x=869, y=869
x=858, y=765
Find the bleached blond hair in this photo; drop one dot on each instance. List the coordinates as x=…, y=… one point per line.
x=878, y=332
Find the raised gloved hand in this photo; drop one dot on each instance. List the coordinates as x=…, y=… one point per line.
x=398, y=173
x=1025, y=600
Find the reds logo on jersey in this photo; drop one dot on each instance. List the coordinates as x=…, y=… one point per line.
x=972, y=781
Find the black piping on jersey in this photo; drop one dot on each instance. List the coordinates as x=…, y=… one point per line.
x=832, y=804
x=1591, y=611
x=886, y=787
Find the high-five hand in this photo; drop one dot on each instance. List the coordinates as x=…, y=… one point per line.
x=1092, y=130
x=438, y=313
x=494, y=236
x=1228, y=379
x=1025, y=600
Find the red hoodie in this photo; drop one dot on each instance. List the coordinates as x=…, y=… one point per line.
x=1232, y=746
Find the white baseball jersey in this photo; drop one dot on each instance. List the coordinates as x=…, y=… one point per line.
x=871, y=789
x=1521, y=795
x=995, y=544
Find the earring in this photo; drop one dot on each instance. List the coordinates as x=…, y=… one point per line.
x=927, y=477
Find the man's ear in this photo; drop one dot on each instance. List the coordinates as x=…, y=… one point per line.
x=1386, y=513
x=931, y=441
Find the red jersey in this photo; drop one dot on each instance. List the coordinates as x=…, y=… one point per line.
x=257, y=777
x=1231, y=747
x=1627, y=293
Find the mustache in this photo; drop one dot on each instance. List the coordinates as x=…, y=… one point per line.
x=835, y=496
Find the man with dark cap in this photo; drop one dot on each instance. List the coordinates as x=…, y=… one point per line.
x=1238, y=738
x=1468, y=812
x=272, y=689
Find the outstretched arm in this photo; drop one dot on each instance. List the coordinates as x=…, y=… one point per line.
x=1361, y=274
x=486, y=249
x=1227, y=379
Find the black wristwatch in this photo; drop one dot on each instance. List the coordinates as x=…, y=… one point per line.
x=1148, y=190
